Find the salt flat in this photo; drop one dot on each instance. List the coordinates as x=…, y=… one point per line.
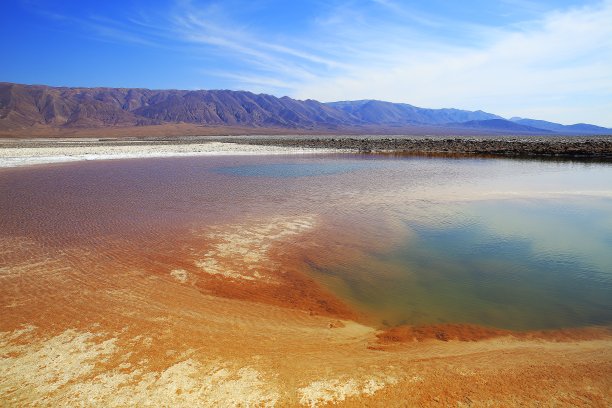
x=71, y=151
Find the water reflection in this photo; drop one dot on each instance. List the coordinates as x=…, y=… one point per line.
x=290, y=170
x=517, y=264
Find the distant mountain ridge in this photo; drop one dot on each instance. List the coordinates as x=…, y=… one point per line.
x=32, y=105
x=388, y=113
x=501, y=124
x=29, y=106
x=559, y=128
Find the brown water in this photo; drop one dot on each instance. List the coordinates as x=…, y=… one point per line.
x=505, y=243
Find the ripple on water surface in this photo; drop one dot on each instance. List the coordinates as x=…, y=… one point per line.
x=504, y=243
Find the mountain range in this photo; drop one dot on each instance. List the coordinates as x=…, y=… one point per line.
x=39, y=106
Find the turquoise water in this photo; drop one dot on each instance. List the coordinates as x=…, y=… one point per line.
x=516, y=264
x=290, y=170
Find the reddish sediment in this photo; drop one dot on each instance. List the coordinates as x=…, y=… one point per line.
x=472, y=332
x=97, y=334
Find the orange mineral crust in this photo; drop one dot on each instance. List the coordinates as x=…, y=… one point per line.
x=110, y=328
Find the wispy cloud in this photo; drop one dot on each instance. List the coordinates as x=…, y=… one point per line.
x=554, y=64
x=257, y=54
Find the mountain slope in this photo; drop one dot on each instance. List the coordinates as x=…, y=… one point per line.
x=580, y=128
x=499, y=125
x=388, y=113
x=24, y=107
x=34, y=105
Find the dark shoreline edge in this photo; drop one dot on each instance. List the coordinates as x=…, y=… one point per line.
x=597, y=149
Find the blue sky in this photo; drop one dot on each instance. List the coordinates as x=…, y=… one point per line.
x=549, y=60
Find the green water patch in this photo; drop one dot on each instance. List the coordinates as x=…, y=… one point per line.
x=514, y=264
x=291, y=170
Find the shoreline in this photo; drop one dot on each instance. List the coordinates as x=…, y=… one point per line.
x=23, y=152
x=44, y=152
x=523, y=147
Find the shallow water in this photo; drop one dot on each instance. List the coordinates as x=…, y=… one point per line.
x=412, y=240
x=516, y=264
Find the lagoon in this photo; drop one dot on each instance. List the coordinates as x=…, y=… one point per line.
x=511, y=244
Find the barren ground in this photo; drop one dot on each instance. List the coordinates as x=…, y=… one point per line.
x=229, y=324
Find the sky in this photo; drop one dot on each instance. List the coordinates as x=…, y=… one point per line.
x=549, y=60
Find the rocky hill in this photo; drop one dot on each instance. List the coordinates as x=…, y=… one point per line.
x=35, y=105
x=388, y=113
